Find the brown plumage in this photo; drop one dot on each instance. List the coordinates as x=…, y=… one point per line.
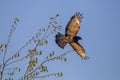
x=70, y=37
x=79, y=49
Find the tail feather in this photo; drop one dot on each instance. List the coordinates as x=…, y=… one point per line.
x=59, y=39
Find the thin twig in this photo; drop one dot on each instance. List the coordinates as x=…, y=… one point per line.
x=10, y=68
x=45, y=75
x=15, y=61
x=8, y=41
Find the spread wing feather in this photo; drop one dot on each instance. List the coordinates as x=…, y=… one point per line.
x=78, y=49
x=73, y=26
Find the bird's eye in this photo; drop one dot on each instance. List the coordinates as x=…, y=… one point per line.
x=77, y=24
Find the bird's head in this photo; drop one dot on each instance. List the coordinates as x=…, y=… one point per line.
x=76, y=38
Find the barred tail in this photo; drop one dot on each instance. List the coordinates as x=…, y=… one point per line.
x=59, y=39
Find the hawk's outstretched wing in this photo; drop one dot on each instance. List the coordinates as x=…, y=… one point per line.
x=73, y=26
x=78, y=49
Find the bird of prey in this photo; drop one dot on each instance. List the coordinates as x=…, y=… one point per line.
x=71, y=37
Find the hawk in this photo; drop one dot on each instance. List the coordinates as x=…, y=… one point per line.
x=71, y=37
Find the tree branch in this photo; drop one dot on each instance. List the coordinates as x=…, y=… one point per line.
x=47, y=61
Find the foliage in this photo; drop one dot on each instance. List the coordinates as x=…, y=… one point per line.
x=34, y=66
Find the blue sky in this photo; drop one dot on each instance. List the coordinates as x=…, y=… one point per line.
x=99, y=30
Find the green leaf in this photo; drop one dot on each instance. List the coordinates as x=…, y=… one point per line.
x=16, y=20
x=5, y=46
x=37, y=36
x=37, y=73
x=60, y=74
x=51, y=54
x=0, y=73
x=40, y=52
x=52, y=18
x=38, y=40
x=55, y=30
x=19, y=69
x=36, y=60
x=56, y=15
x=27, y=55
x=45, y=41
x=59, y=27
x=16, y=55
x=1, y=46
x=11, y=73
x=65, y=59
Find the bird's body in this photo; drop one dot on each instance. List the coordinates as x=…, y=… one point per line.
x=70, y=37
